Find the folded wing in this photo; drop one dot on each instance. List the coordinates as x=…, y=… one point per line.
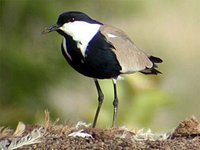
x=131, y=58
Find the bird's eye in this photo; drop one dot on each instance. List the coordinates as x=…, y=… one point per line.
x=72, y=19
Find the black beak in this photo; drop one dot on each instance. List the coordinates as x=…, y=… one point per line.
x=54, y=27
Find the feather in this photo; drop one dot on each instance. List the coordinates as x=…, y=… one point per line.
x=131, y=58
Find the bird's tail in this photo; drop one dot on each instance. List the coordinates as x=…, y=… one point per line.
x=153, y=70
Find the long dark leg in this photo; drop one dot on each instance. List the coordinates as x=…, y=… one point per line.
x=115, y=104
x=100, y=101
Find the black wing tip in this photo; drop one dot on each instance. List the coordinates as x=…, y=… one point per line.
x=155, y=59
x=153, y=70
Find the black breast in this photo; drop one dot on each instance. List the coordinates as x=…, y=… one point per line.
x=99, y=62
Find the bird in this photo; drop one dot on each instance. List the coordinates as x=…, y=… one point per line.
x=100, y=51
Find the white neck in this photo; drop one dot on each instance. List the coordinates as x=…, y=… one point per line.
x=82, y=32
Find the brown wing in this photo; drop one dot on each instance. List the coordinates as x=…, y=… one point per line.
x=129, y=56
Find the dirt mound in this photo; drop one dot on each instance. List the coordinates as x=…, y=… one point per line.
x=49, y=136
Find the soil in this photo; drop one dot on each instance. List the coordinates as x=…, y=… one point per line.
x=186, y=136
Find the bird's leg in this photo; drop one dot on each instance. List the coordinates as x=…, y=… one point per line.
x=115, y=104
x=100, y=101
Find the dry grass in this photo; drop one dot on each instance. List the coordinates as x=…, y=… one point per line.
x=53, y=136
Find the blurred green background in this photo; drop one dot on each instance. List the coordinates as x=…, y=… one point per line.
x=34, y=75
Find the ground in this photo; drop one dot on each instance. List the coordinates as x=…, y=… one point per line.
x=186, y=136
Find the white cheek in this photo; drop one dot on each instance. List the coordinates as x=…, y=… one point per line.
x=82, y=32
x=67, y=28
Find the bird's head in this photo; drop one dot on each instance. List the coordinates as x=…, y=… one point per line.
x=69, y=22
